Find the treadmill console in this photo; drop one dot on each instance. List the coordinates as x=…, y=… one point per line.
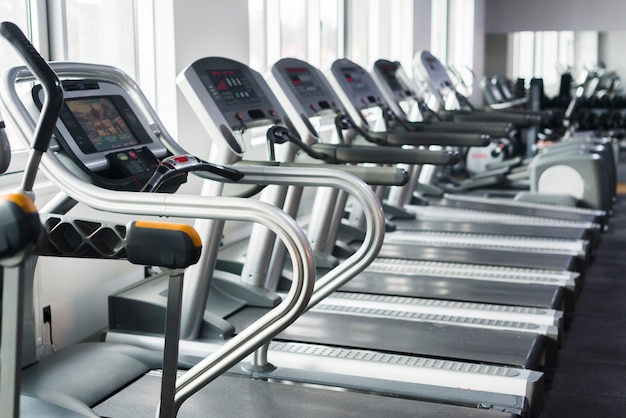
x=306, y=87
x=358, y=84
x=390, y=73
x=433, y=71
x=100, y=129
x=236, y=93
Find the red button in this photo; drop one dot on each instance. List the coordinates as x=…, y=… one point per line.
x=181, y=159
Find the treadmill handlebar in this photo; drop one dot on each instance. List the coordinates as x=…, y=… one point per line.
x=493, y=129
x=374, y=176
x=343, y=122
x=518, y=119
x=279, y=135
x=386, y=155
x=446, y=139
x=180, y=165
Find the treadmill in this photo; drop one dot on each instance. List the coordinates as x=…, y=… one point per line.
x=278, y=114
x=67, y=384
x=311, y=110
x=411, y=109
x=576, y=168
x=511, y=388
x=224, y=110
x=421, y=245
x=364, y=100
x=205, y=84
x=308, y=111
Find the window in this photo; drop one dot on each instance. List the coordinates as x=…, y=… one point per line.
x=16, y=12
x=545, y=55
x=96, y=31
x=372, y=32
x=112, y=32
x=452, y=39
x=311, y=30
x=321, y=31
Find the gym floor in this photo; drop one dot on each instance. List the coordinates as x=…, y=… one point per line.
x=590, y=379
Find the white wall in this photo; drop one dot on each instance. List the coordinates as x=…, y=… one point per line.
x=198, y=29
x=504, y=16
x=421, y=27
x=479, y=49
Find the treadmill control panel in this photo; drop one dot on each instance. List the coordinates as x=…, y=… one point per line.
x=138, y=163
x=357, y=84
x=232, y=87
x=391, y=75
x=434, y=72
x=236, y=93
x=100, y=129
x=306, y=86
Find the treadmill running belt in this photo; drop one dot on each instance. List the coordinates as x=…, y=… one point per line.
x=494, y=205
x=489, y=228
x=230, y=396
x=434, y=287
x=490, y=257
x=408, y=337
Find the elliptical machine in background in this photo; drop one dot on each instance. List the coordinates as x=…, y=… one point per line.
x=550, y=175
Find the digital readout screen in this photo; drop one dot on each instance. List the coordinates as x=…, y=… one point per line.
x=389, y=72
x=102, y=123
x=303, y=82
x=232, y=86
x=354, y=79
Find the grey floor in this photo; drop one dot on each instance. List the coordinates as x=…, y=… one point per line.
x=590, y=380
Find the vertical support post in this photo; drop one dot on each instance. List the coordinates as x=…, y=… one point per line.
x=534, y=96
x=172, y=336
x=11, y=341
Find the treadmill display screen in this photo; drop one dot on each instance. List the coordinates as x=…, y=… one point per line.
x=303, y=82
x=354, y=79
x=100, y=123
x=433, y=63
x=232, y=86
x=389, y=72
